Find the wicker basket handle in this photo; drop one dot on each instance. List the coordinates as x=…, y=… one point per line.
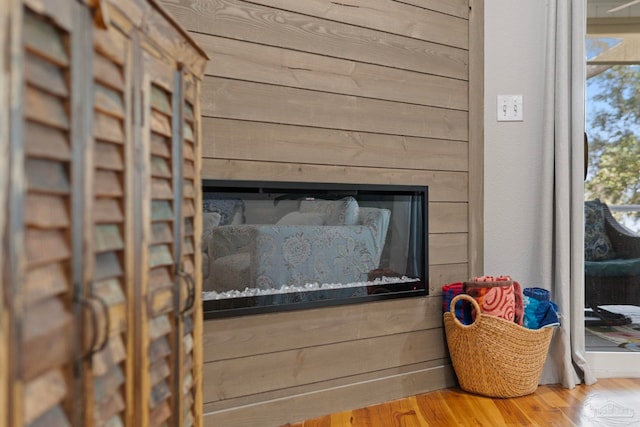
x=469, y=298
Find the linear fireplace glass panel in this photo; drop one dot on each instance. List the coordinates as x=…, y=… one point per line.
x=272, y=246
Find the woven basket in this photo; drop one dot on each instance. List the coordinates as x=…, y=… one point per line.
x=493, y=356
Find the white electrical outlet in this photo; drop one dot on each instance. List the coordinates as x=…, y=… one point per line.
x=510, y=108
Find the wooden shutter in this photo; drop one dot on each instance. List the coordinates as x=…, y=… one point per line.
x=97, y=319
x=5, y=334
x=109, y=376
x=41, y=228
x=158, y=355
x=189, y=326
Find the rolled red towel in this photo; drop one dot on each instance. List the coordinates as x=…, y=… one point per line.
x=497, y=296
x=448, y=293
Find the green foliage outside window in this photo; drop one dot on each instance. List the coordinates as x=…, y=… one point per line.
x=614, y=136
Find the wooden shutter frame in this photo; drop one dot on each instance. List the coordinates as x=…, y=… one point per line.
x=5, y=14
x=157, y=72
x=82, y=89
x=15, y=274
x=178, y=232
x=13, y=268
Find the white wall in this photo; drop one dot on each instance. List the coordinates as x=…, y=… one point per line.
x=514, y=64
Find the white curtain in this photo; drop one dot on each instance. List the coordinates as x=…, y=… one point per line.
x=563, y=188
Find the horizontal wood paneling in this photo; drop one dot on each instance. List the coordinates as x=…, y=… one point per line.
x=369, y=92
x=383, y=15
x=308, y=365
x=458, y=8
x=259, y=24
x=442, y=274
x=355, y=395
x=448, y=248
x=227, y=339
x=246, y=140
x=448, y=217
x=241, y=60
x=259, y=398
x=443, y=186
x=268, y=103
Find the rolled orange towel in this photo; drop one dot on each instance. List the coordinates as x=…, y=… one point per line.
x=497, y=296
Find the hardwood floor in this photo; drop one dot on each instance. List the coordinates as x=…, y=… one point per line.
x=609, y=402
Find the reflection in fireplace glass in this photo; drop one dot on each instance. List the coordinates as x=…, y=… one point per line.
x=271, y=246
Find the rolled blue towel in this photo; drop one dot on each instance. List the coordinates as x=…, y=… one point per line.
x=550, y=315
x=530, y=307
x=538, y=293
x=539, y=310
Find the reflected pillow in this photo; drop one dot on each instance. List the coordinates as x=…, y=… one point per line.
x=231, y=210
x=597, y=246
x=210, y=220
x=344, y=211
x=302, y=218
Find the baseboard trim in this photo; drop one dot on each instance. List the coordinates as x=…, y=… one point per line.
x=304, y=406
x=614, y=364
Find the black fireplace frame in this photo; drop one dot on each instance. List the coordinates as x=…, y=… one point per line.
x=240, y=306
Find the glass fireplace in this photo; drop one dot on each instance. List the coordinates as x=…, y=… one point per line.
x=273, y=246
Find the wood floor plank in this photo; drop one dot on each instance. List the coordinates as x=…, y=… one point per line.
x=341, y=418
x=607, y=402
x=553, y=397
x=434, y=408
x=512, y=413
x=403, y=413
x=542, y=413
x=466, y=409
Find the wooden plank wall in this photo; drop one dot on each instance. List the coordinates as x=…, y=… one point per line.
x=360, y=91
x=5, y=335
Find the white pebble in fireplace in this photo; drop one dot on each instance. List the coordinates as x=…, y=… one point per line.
x=252, y=292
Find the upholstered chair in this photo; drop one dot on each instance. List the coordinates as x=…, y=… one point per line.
x=612, y=258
